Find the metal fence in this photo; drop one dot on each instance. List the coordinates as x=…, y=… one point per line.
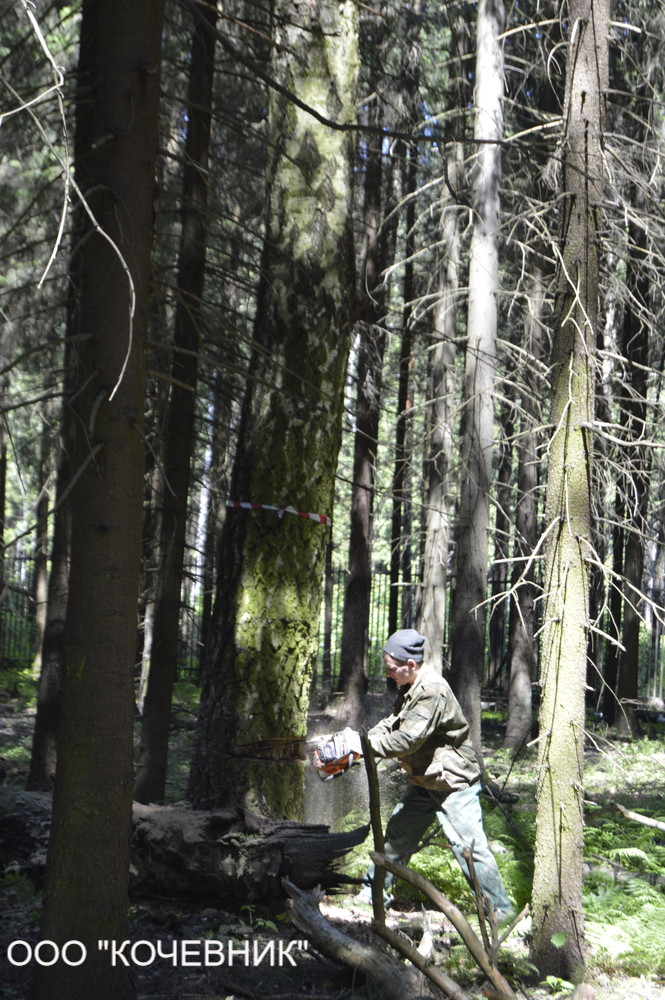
x=18, y=630
x=17, y=613
x=330, y=645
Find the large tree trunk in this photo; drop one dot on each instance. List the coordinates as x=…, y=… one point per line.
x=271, y=579
x=85, y=894
x=557, y=884
x=468, y=617
x=180, y=431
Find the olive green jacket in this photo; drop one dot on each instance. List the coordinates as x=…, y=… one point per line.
x=428, y=734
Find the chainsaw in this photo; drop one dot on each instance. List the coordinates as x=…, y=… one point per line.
x=334, y=754
x=331, y=755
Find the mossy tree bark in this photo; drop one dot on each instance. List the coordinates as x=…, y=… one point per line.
x=558, y=920
x=257, y=682
x=86, y=888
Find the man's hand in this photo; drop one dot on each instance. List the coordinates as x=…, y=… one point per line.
x=334, y=754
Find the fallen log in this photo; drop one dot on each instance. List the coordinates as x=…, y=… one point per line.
x=394, y=980
x=618, y=873
x=229, y=854
x=656, y=824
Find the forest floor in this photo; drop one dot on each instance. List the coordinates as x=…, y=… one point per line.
x=266, y=958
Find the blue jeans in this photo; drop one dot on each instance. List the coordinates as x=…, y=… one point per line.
x=461, y=820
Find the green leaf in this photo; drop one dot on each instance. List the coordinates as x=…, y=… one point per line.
x=559, y=939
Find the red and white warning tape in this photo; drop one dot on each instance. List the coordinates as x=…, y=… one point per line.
x=245, y=505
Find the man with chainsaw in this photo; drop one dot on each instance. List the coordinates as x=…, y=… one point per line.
x=428, y=734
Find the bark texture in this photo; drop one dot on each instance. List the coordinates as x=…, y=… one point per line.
x=269, y=594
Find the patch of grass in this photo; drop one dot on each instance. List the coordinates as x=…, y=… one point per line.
x=438, y=866
x=18, y=686
x=18, y=755
x=629, y=944
x=186, y=697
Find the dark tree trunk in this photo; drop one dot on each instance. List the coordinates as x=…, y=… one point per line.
x=612, y=657
x=352, y=679
x=634, y=418
x=180, y=431
x=85, y=894
x=499, y=576
x=44, y=753
x=400, y=610
x=227, y=854
x=215, y=478
x=41, y=536
x=634, y=403
x=43, y=756
x=400, y=602
x=521, y=621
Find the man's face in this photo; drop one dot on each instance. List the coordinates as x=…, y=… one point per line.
x=400, y=671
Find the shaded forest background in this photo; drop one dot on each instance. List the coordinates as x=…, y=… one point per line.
x=312, y=292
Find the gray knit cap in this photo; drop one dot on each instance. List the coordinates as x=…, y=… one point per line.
x=407, y=644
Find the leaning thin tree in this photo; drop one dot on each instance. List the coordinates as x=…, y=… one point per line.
x=558, y=920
